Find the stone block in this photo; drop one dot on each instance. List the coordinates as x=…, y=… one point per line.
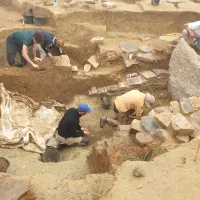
x=181, y=126
x=87, y=67
x=148, y=74
x=135, y=81
x=164, y=118
x=149, y=124
x=184, y=139
x=186, y=106
x=195, y=101
x=109, y=5
x=143, y=139
x=161, y=135
x=130, y=62
x=145, y=57
x=175, y=107
x=74, y=68
x=97, y=40
x=145, y=48
x=136, y=126
x=12, y=187
x=93, y=62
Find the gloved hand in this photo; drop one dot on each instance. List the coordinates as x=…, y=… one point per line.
x=36, y=59
x=50, y=55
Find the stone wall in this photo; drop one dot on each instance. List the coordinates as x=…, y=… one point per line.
x=184, y=68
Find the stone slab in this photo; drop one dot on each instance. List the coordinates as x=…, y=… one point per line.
x=161, y=135
x=146, y=48
x=136, y=126
x=164, y=119
x=74, y=68
x=87, y=67
x=130, y=62
x=129, y=48
x=143, y=139
x=149, y=124
x=135, y=81
x=175, y=107
x=161, y=72
x=186, y=106
x=181, y=126
x=145, y=57
x=93, y=62
x=148, y=74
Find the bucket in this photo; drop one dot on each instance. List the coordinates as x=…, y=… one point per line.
x=40, y=20
x=4, y=164
x=28, y=17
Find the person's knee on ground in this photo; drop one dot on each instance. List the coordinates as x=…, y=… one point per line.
x=185, y=35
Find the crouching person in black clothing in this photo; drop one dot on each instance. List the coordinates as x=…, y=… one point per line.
x=69, y=130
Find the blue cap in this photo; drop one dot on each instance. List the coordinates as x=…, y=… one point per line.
x=83, y=107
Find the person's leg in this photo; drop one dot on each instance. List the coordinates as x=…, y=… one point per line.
x=23, y=60
x=11, y=49
x=108, y=121
x=185, y=35
x=41, y=51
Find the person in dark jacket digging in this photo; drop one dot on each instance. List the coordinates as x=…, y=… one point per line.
x=51, y=43
x=18, y=42
x=69, y=129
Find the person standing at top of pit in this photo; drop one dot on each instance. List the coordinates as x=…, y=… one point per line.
x=51, y=42
x=18, y=42
x=192, y=30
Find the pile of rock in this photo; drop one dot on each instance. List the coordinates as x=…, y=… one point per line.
x=154, y=79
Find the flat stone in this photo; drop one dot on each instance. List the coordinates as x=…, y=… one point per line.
x=195, y=101
x=143, y=138
x=136, y=126
x=145, y=57
x=87, y=67
x=74, y=68
x=175, y=107
x=148, y=74
x=93, y=62
x=149, y=124
x=129, y=48
x=109, y=5
x=164, y=119
x=161, y=72
x=161, y=135
x=130, y=62
x=62, y=60
x=98, y=40
x=146, y=48
x=171, y=38
x=13, y=187
x=186, y=106
x=184, y=139
x=90, y=1
x=135, y=81
x=181, y=126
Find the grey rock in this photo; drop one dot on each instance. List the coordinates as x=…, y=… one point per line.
x=161, y=135
x=135, y=81
x=149, y=124
x=145, y=57
x=129, y=48
x=181, y=126
x=146, y=48
x=186, y=106
x=184, y=67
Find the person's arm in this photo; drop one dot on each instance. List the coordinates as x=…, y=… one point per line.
x=138, y=110
x=34, y=50
x=25, y=55
x=189, y=31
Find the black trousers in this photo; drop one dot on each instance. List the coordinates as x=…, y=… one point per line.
x=12, y=50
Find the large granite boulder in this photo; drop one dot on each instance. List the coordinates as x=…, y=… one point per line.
x=184, y=67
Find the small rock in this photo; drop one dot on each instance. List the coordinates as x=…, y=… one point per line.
x=175, y=107
x=136, y=126
x=128, y=63
x=181, y=138
x=143, y=138
x=74, y=68
x=186, y=106
x=145, y=57
x=109, y=5
x=98, y=40
x=164, y=118
x=139, y=186
x=148, y=74
x=129, y=48
x=149, y=124
x=181, y=126
x=138, y=171
x=93, y=62
x=146, y=48
x=87, y=67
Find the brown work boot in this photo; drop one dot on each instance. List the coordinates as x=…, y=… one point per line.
x=103, y=121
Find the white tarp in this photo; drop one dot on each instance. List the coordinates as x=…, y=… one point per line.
x=24, y=123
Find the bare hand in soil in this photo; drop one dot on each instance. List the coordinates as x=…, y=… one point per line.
x=36, y=59
x=36, y=66
x=86, y=132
